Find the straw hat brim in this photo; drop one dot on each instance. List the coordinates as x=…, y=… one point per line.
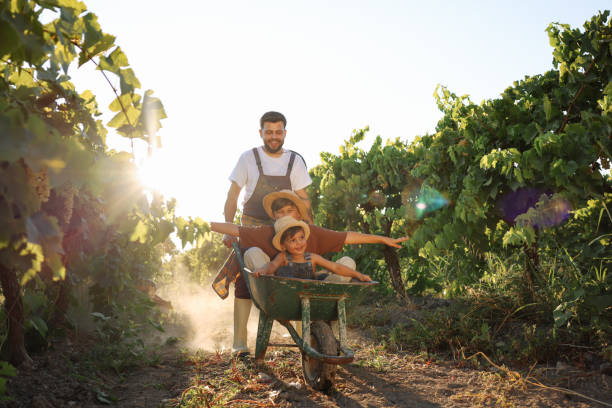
x=288, y=194
x=286, y=223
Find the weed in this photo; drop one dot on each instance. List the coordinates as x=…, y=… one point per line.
x=6, y=371
x=375, y=358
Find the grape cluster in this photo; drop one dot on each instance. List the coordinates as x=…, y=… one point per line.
x=39, y=181
x=60, y=204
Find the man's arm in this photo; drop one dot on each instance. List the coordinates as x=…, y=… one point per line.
x=304, y=196
x=229, y=211
x=226, y=228
x=231, y=202
x=359, y=238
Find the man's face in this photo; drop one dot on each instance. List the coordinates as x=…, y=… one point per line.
x=273, y=136
x=289, y=209
x=296, y=245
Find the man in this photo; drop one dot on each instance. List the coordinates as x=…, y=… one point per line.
x=259, y=171
x=265, y=169
x=261, y=250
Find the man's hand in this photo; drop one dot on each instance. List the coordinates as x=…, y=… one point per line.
x=393, y=242
x=228, y=240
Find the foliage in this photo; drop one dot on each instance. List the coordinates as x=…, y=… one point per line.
x=205, y=260
x=6, y=371
x=526, y=177
x=73, y=212
x=493, y=317
x=362, y=191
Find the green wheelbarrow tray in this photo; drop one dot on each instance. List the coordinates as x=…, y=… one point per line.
x=285, y=299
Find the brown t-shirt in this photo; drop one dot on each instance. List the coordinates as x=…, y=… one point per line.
x=320, y=241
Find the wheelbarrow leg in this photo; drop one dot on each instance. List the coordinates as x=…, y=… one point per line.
x=305, y=320
x=263, y=336
x=342, y=322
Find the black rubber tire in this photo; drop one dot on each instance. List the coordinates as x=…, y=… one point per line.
x=317, y=374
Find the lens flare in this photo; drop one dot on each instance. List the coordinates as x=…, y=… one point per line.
x=422, y=200
x=534, y=207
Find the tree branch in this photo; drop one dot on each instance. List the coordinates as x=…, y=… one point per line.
x=573, y=102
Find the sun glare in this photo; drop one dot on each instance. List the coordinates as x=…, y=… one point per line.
x=156, y=173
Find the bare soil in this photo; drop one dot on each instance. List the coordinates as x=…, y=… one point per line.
x=59, y=378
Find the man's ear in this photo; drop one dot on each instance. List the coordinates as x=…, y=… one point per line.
x=261, y=134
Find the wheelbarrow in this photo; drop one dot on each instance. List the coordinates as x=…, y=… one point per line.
x=314, y=303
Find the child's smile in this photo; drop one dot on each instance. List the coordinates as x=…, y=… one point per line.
x=296, y=245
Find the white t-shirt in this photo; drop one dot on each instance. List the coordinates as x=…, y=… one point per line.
x=246, y=174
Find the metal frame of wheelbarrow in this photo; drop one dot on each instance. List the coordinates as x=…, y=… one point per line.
x=265, y=322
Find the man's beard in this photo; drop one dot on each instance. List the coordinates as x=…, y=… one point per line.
x=270, y=150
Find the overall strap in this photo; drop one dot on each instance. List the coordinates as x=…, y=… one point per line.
x=290, y=165
x=307, y=256
x=300, y=156
x=257, y=160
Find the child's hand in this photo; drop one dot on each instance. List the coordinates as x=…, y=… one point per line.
x=261, y=272
x=362, y=277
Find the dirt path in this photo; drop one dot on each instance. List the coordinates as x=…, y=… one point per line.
x=375, y=379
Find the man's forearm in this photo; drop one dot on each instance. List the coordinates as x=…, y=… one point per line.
x=306, y=200
x=309, y=210
x=231, y=202
x=229, y=210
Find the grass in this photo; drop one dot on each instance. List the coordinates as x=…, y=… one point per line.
x=220, y=380
x=376, y=358
x=498, y=316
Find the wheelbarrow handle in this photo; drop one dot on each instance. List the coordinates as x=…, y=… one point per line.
x=348, y=356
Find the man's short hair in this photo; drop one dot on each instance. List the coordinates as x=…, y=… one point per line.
x=272, y=117
x=280, y=203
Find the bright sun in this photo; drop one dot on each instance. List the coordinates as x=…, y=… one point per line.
x=157, y=173
x=179, y=174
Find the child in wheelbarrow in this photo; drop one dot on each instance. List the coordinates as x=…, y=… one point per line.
x=294, y=261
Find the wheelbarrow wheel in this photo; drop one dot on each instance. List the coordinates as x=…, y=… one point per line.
x=317, y=374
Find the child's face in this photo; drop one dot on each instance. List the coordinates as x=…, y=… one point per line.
x=289, y=209
x=296, y=245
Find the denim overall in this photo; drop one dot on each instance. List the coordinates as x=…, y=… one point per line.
x=297, y=270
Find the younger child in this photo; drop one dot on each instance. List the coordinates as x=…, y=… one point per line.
x=293, y=260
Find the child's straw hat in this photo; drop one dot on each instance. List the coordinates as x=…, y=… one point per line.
x=289, y=195
x=283, y=224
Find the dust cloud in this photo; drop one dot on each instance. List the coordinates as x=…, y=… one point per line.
x=207, y=318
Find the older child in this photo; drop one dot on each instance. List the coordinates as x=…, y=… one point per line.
x=294, y=261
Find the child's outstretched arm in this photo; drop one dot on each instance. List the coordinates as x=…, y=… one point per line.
x=338, y=268
x=225, y=228
x=271, y=267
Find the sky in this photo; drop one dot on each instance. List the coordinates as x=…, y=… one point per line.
x=329, y=66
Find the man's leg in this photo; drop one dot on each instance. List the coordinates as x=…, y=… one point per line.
x=242, y=309
x=254, y=258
